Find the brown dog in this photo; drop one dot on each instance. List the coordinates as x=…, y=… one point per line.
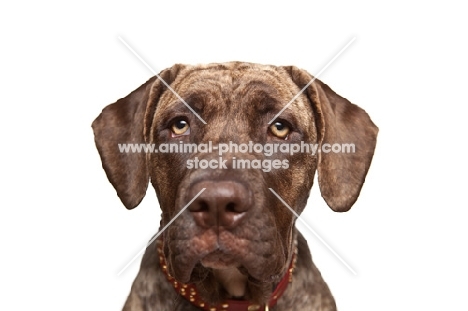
x=235, y=247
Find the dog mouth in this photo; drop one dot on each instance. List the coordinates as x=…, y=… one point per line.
x=187, y=267
x=219, y=260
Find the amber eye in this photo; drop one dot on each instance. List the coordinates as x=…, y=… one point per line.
x=180, y=127
x=280, y=130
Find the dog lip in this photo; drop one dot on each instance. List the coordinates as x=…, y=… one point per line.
x=219, y=260
x=195, y=270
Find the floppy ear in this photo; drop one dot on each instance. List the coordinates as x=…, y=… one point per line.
x=341, y=175
x=127, y=121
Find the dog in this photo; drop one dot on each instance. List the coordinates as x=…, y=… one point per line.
x=230, y=241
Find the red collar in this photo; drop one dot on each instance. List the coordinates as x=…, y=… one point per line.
x=189, y=291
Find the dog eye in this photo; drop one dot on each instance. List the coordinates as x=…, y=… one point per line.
x=280, y=130
x=180, y=127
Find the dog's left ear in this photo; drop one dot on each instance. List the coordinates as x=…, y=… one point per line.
x=127, y=121
x=341, y=175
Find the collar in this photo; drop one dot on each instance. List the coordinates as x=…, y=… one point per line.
x=189, y=291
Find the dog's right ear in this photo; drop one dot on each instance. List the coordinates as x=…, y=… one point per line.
x=125, y=122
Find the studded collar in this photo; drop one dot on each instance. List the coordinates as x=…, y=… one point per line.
x=189, y=291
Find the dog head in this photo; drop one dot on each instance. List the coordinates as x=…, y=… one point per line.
x=234, y=220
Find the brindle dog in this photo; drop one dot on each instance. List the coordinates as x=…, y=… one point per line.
x=237, y=239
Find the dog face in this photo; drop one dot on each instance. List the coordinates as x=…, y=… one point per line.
x=254, y=232
x=236, y=222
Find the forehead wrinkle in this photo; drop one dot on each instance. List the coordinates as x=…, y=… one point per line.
x=301, y=106
x=279, y=88
x=204, y=78
x=273, y=80
x=215, y=83
x=256, y=95
x=177, y=108
x=202, y=93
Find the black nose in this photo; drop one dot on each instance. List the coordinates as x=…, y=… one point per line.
x=222, y=203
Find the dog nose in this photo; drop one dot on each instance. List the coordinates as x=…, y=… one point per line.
x=222, y=203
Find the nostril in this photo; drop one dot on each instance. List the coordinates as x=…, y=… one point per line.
x=232, y=214
x=231, y=207
x=199, y=206
x=203, y=207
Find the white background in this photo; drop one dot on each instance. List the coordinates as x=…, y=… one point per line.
x=64, y=233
